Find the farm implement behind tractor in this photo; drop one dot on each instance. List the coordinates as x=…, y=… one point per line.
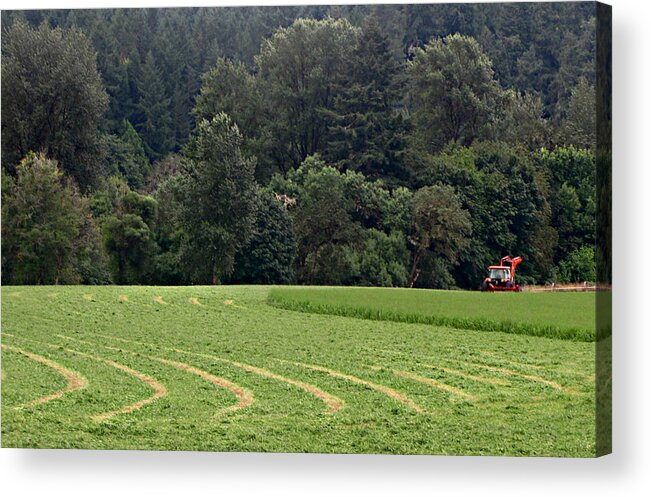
x=502, y=278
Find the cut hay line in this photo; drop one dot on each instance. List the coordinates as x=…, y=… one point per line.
x=123, y=298
x=435, y=384
x=88, y=296
x=514, y=363
x=463, y=374
x=232, y=304
x=159, y=389
x=159, y=300
x=75, y=380
x=332, y=403
x=510, y=372
x=389, y=392
x=244, y=396
x=525, y=365
x=495, y=369
x=52, y=296
x=194, y=301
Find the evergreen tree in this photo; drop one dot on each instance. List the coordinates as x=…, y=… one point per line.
x=366, y=129
x=153, y=121
x=268, y=258
x=126, y=156
x=119, y=72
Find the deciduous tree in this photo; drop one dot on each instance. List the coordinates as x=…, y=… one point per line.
x=127, y=230
x=299, y=68
x=454, y=93
x=52, y=99
x=39, y=224
x=218, y=199
x=440, y=225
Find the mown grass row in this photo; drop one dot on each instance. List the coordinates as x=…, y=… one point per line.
x=284, y=301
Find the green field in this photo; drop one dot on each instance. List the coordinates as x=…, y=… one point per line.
x=569, y=316
x=226, y=369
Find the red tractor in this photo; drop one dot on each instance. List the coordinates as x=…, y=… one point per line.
x=502, y=278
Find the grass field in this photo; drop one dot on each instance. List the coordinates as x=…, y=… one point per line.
x=569, y=316
x=220, y=369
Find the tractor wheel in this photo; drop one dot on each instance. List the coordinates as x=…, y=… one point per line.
x=484, y=286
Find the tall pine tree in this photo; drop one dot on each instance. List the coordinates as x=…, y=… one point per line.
x=154, y=122
x=366, y=128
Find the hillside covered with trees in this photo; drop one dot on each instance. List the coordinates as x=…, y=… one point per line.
x=402, y=145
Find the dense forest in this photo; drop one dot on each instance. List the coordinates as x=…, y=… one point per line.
x=399, y=145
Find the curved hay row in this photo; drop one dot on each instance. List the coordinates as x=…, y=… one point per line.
x=463, y=374
x=436, y=384
x=389, y=392
x=332, y=403
x=495, y=369
x=510, y=372
x=75, y=380
x=244, y=396
x=159, y=389
x=498, y=358
x=525, y=365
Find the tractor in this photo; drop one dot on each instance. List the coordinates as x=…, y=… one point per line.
x=502, y=278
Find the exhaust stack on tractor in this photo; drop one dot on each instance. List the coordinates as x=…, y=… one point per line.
x=502, y=278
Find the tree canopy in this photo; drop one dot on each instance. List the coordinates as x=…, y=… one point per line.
x=52, y=99
x=217, y=199
x=386, y=145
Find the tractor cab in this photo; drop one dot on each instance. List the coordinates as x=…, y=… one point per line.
x=502, y=277
x=499, y=273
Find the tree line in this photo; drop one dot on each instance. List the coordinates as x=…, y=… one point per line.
x=358, y=145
